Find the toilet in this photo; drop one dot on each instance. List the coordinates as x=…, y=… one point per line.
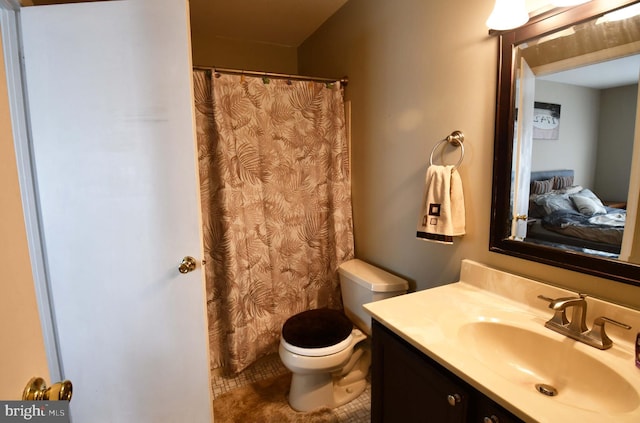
x=328, y=351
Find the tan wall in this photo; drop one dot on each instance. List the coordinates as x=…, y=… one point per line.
x=417, y=71
x=22, y=353
x=237, y=54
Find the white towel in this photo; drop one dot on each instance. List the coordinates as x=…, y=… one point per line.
x=442, y=214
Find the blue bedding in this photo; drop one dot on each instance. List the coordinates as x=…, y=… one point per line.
x=575, y=224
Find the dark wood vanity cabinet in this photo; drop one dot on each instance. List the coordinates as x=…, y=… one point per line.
x=487, y=411
x=407, y=386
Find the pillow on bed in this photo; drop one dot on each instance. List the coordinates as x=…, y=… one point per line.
x=588, y=206
x=560, y=182
x=588, y=203
x=574, y=189
x=541, y=187
x=589, y=194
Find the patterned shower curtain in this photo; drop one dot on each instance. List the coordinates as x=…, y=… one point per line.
x=276, y=203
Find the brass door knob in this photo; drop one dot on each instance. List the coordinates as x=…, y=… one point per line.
x=36, y=390
x=188, y=264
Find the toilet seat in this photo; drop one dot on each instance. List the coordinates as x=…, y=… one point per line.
x=318, y=332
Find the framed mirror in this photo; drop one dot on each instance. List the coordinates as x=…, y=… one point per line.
x=566, y=172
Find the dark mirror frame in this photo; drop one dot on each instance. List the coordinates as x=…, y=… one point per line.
x=538, y=26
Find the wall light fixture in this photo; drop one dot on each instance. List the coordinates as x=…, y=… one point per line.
x=566, y=3
x=508, y=14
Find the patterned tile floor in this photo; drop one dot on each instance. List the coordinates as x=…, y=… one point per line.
x=357, y=411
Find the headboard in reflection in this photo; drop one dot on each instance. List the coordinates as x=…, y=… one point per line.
x=551, y=124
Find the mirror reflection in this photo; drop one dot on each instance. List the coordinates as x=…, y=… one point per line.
x=575, y=116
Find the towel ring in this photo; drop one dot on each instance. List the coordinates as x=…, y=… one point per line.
x=456, y=139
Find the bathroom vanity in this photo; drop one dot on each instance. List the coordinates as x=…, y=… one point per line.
x=408, y=386
x=478, y=350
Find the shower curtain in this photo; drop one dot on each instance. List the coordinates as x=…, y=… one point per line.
x=276, y=202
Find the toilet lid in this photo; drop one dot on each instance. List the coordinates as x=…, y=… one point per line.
x=318, y=328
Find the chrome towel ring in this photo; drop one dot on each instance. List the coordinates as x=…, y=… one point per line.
x=456, y=138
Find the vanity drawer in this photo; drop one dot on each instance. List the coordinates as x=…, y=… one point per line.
x=407, y=388
x=487, y=411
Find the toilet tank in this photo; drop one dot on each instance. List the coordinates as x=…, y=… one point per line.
x=363, y=283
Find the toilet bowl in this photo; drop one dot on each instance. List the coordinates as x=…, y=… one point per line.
x=328, y=356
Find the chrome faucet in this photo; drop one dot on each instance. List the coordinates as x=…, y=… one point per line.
x=576, y=328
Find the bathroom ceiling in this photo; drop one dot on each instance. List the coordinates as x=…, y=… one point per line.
x=610, y=74
x=279, y=22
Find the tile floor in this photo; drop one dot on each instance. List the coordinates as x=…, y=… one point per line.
x=357, y=411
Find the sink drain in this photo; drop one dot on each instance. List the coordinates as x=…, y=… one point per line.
x=547, y=390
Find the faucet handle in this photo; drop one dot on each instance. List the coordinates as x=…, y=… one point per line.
x=598, y=334
x=600, y=321
x=554, y=301
x=547, y=299
x=559, y=316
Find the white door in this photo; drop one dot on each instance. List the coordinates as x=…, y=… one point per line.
x=110, y=103
x=22, y=355
x=523, y=144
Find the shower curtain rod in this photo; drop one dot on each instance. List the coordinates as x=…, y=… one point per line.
x=343, y=80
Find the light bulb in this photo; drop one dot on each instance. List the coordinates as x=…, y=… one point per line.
x=508, y=14
x=621, y=14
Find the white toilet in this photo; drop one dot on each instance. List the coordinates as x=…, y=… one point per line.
x=328, y=356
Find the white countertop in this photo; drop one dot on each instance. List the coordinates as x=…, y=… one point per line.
x=431, y=321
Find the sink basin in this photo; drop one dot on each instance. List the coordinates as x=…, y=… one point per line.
x=567, y=373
